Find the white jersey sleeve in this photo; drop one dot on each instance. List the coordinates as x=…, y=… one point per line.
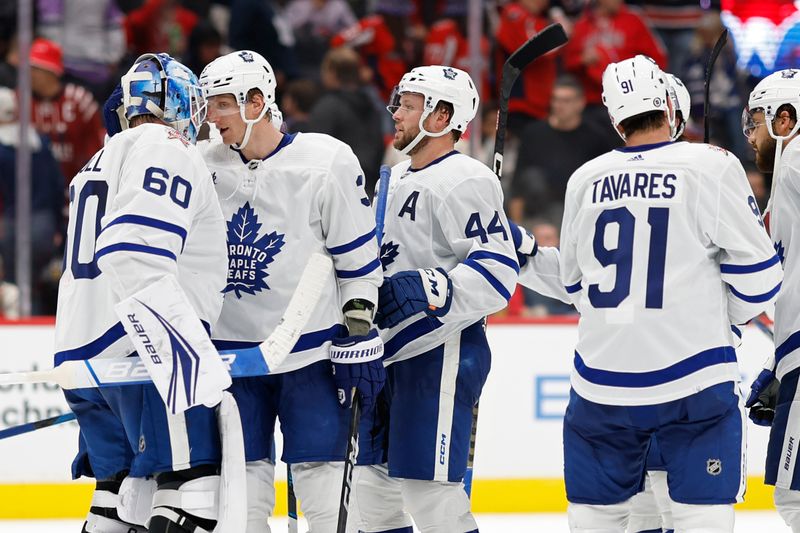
x=542, y=273
x=475, y=226
x=348, y=225
x=748, y=263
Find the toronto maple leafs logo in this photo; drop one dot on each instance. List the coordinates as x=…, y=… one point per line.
x=788, y=74
x=249, y=254
x=449, y=73
x=388, y=254
x=246, y=56
x=780, y=251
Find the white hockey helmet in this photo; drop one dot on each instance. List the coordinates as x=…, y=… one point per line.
x=681, y=101
x=777, y=89
x=236, y=74
x=438, y=83
x=633, y=87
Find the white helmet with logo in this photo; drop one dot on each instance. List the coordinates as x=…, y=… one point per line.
x=633, y=87
x=681, y=101
x=237, y=73
x=779, y=88
x=437, y=83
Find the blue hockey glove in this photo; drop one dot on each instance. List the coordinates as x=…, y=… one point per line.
x=357, y=363
x=114, y=114
x=763, y=398
x=524, y=242
x=413, y=291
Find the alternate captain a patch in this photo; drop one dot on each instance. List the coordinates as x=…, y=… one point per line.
x=249, y=253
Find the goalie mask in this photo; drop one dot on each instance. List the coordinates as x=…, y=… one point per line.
x=633, y=87
x=436, y=84
x=159, y=85
x=237, y=74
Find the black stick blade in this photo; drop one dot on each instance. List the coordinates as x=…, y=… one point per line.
x=548, y=39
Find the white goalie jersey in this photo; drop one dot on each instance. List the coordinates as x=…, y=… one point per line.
x=143, y=207
x=448, y=214
x=662, y=249
x=307, y=196
x=784, y=218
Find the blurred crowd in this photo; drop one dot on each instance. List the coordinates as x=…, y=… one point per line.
x=337, y=62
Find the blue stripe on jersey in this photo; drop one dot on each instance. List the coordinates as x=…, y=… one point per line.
x=417, y=329
x=363, y=271
x=574, y=288
x=350, y=246
x=435, y=161
x=736, y=331
x=690, y=365
x=758, y=298
x=493, y=281
x=151, y=222
x=788, y=346
x=642, y=147
x=307, y=341
x=747, y=269
x=131, y=247
x=500, y=258
x=87, y=351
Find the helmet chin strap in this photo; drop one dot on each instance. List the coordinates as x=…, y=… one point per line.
x=250, y=122
x=779, y=140
x=421, y=135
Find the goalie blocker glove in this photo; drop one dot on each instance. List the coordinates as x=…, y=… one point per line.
x=410, y=292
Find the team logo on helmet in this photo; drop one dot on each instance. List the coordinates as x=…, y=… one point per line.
x=449, y=73
x=247, y=57
x=248, y=253
x=788, y=74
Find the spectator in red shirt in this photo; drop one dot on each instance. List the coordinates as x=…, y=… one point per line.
x=530, y=99
x=65, y=112
x=607, y=32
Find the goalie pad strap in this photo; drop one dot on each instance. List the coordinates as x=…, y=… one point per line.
x=176, y=518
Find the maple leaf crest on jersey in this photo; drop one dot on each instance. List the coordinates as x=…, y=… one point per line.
x=389, y=251
x=248, y=253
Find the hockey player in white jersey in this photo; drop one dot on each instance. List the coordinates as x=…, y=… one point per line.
x=449, y=261
x=285, y=197
x=770, y=123
x=660, y=252
x=145, y=230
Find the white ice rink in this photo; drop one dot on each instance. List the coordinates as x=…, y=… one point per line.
x=746, y=522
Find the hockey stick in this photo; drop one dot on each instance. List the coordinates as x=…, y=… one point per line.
x=718, y=46
x=543, y=42
x=33, y=426
x=471, y=457
x=292, y=500
x=355, y=417
x=244, y=362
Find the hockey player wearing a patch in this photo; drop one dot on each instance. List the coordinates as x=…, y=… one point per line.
x=283, y=198
x=661, y=252
x=449, y=260
x=146, y=234
x=771, y=126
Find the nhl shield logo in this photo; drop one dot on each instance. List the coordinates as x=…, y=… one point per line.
x=449, y=73
x=247, y=57
x=714, y=467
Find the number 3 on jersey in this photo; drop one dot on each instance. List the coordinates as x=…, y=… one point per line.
x=622, y=255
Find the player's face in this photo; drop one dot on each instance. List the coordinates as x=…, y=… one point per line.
x=406, y=120
x=223, y=113
x=763, y=144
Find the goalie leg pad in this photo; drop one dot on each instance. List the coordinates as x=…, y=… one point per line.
x=702, y=518
x=438, y=506
x=186, y=501
x=788, y=505
x=585, y=518
x=136, y=499
x=103, y=517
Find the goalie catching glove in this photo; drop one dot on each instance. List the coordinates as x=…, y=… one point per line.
x=410, y=292
x=357, y=359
